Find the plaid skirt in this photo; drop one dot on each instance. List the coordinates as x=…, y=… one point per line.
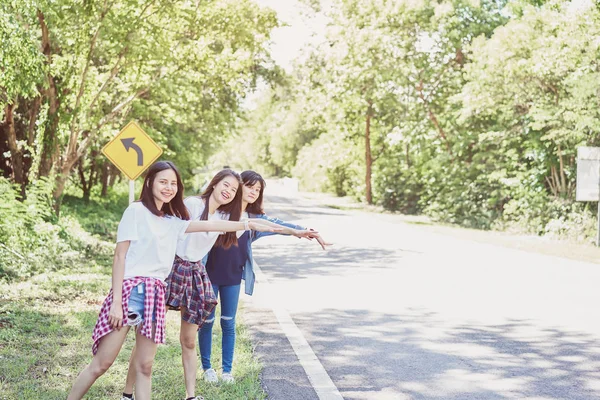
x=189, y=290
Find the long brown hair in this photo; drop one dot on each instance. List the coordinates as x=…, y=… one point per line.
x=233, y=208
x=250, y=178
x=175, y=207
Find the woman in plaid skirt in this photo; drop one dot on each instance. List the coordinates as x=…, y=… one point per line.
x=146, y=243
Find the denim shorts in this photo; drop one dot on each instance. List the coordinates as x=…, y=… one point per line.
x=135, y=308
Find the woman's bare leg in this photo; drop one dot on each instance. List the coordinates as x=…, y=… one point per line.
x=187, y=337
x=130, y=373
x=108, y=350
x=144, y=358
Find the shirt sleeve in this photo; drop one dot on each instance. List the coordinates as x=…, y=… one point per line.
x=182, y=226
x=128, y=226
x=195, y=207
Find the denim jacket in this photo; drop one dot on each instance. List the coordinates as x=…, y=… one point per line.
x=248, y=273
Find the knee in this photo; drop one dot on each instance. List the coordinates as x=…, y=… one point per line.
x=207, y=326
x=188, y=343
x=99, y=367
x=144, y=367
x=227, y=324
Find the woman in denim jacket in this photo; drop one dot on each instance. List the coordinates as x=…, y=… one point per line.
x=227, y=267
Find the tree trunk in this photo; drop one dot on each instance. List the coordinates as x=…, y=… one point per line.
x=85, y=184
x=61, y=179
x=368, y=156
x=5, y=168
x=50, y=145
x=104, y=179
x=433, y=117
x=16, y=154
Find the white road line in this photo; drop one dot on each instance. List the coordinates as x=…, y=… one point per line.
x=319, y=379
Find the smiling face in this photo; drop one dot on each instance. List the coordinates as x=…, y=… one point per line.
x=164, y=187
x=251, y=193
x=225, y=190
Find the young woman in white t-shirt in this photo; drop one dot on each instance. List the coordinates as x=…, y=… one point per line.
x=146, y=243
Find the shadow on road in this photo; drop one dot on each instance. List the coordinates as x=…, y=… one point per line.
x=294, y=208
x=300, y=260
x=423, y=357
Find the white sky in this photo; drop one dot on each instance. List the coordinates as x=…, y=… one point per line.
x=301, y=29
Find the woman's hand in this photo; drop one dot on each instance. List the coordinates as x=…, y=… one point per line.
x=320, y=240
x=115, y=316
x=304, y=233
x=255, y=225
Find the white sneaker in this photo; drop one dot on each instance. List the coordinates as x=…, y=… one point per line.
x=127, y=398
x=198, y=398
x=210, y=375
x=227, y=377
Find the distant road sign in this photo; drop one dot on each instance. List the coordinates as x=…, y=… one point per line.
x=588, y=174
x=132, y=150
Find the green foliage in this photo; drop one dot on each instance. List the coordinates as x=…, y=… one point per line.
x=329, y=164
x=472, y=110
x=100, y=215
x=73, y=73
x=32, y=238
x=398, y=187
x=21, y=64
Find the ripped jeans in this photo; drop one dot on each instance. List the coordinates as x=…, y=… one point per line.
x=229, y=296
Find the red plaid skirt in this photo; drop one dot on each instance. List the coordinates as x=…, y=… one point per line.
x=189, y=290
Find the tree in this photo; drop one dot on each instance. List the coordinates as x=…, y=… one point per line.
x=100, y=58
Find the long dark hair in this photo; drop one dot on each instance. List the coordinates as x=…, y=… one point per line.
x=249, y=178
x=233, y=208
x=175, y=207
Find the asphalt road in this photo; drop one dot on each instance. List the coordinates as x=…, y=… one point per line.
x=397, y=311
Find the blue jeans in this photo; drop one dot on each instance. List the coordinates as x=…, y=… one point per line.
x=228, y=298
x=136, y=305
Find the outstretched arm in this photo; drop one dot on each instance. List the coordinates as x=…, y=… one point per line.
x=288, y=229
x=230, y=226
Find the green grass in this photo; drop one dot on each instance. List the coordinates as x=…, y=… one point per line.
x=45, y=341
x=100, y=217
x=46, y=323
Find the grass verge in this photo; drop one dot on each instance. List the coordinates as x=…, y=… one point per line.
x=45, y=341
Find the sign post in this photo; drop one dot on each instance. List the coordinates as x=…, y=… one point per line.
x=132, y=151
x=131, y=190
x=588, y=178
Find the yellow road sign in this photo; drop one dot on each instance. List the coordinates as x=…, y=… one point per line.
x=132, y=150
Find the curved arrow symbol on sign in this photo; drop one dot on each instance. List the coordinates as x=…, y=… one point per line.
x=128, y=143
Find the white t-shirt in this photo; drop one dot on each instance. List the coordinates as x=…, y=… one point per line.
x=153, y=241
x=196, y=245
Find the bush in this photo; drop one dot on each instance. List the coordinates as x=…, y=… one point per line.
x=100, y=215
x=397, y=187
x=459, y=193
x=535, y=212
x=330, y=164
x=32, y=239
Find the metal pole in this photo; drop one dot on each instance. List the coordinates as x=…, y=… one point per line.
x=131, y=191
x=598, y=233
